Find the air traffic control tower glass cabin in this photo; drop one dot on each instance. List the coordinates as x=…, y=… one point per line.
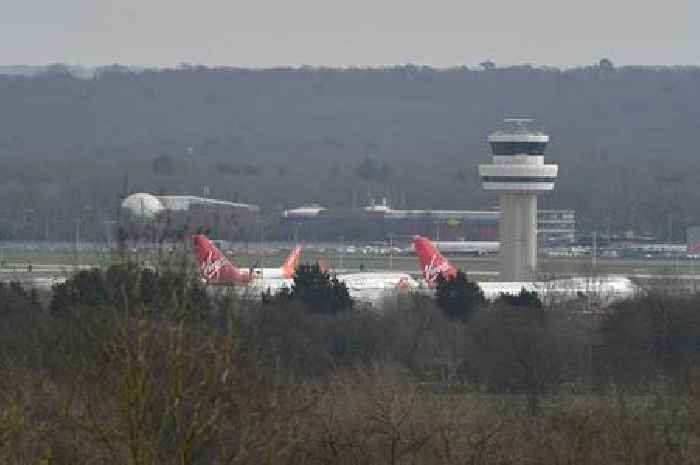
x=518, y=174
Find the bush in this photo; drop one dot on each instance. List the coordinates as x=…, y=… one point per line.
x=526, y=298
x=525, y=350
x=650, y=339
x=315, y=290
x=458, y=297
x=131, y=286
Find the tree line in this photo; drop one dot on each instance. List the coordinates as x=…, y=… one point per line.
x=133, y=365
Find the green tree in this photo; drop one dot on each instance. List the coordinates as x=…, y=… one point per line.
x=367, y=169
x=523, y=351
x=606, y=64
x=15, y=298
x=159, y=290
x=458, y=297
x=526, y=298
x=86, y=288
x=384, y=172
x=316, y=290
x=649, y=339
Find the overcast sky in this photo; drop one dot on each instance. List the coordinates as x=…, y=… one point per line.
x=261, y=33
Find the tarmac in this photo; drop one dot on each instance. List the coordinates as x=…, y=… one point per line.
x=44, y=276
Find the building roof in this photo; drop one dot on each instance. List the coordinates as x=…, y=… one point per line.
x=184, y=202
x=143, y=204
x=312, y=209
x=149, y=205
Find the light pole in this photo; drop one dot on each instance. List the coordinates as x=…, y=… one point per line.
x=260, y=245
x=594, y=255
x=109, y=226
x=342, y=251
x=77, y=242
x=86, y=208
x=391, y=251
x=297, y=225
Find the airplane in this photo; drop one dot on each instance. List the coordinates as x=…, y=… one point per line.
x=468, y=247
x=432, y=262
x=368, y=280
x=215, y=268
x=603, y=289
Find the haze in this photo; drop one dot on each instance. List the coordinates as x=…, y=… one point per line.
x=362, y=32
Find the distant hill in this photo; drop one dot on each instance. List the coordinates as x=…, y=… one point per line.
x=626, y=138
x=393, y=113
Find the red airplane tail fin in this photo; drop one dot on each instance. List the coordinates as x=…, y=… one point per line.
x=432, y=262
x=291, y=262
x=210, y=260
x=323, y=264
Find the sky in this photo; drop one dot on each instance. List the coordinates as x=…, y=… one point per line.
x=265, y=33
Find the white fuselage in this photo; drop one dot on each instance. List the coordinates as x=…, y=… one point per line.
x=371, y=280
x=601, y=290
x=365, y=287
x=375, y=286
x=353, y=281
x=468, y=247
x=268, y=273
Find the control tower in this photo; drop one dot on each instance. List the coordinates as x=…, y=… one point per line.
x=518, y=174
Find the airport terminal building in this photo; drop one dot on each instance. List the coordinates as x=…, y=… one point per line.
x=146, y=216
x=312, y=222
x=378, y=222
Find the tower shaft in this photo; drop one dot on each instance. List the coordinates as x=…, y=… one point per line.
x=518, y=231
